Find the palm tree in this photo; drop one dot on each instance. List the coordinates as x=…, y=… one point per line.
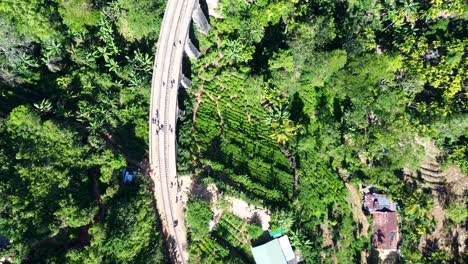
x=142, y=61
x=233, y=50
x=45, y=106
x=284, y=130
x=410, y=11
x=277, y=114
x=281, y=134
x=418, y=204
x=112, y=65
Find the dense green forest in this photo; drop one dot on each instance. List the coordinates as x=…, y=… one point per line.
x=290, y=101
x=74, y=92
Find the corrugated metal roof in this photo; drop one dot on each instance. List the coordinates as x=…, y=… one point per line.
x=287, y=250
x=385, y=231
x=277, y=251
x=376, y=202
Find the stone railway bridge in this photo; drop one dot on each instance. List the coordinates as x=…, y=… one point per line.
x=173, y=42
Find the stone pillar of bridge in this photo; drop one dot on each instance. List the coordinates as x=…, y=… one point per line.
x=186, y=82
x=200, y=19
x=190, y=49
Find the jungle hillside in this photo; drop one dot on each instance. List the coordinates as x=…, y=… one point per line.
x=295, y=105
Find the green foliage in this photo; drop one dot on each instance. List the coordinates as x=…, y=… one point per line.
x=247, y=154
x=37, y=19
x=202, y=247
x=286, y=95
x=139, y=19
x=283, y=220
x=418, y=205
x=198, y=218
x=45, y=181
x=16, y=62
x=60, y=196
x=209, y=251
x=457, y=213
x=450, y=135
x=45, y=170
x=78, y=14
x=230, y=238
x=342, y=86
x=237, y=234
x=128, y=233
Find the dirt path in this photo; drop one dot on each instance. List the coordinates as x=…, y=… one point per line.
x=246, y=211
x=236, y=206
x=358, y=215
x=356, y=209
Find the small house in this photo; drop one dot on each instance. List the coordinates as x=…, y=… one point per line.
x=384, y=212
x=277, y=251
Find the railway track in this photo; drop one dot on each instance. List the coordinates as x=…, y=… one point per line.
x=163, y=116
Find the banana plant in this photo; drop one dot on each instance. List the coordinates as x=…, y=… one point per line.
x=112, y=65
x=95, y=125
x=134, y=79
x=143, y=61
x=45, y=106
x=233, y=50
x=299, y=241
x=52, y=47
x=419, y=204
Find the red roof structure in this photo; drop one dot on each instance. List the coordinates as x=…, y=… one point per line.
x=383, y=211
x=385, y=231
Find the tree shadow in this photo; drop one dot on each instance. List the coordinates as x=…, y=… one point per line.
x=204, y=8
x=264, y=238
x=296, y=109
x=273, y=40
x=392, y=258
x=373, y=257
x=127, y=142
x=255, y=219
x=201, y=192
x=215, y=149
x=234, y=252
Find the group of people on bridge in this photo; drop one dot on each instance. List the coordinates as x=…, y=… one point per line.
x=155, y=120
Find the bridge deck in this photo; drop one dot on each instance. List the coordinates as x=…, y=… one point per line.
x=163, y=117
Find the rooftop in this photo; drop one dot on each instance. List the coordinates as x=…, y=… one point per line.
x=383, y=211
x=277, y=251
x=378, y=202
x=385, y=231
